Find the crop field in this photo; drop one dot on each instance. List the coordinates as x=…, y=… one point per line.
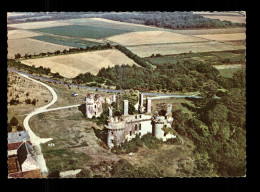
x=39, y=17
x=169, y=49
x=234, y=19
x=31, y=46
x=67, y=41
x=39, y=24
x=211, y=31
x=19, y=34
x=153, y=37
x=73, y=64
x=83, y=31
x=106, y=23
x=224, y=37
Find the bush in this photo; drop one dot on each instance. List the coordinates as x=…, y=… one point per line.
x=14, y=121
x=14, y=102
x=84, y=174
x=34, y=101
x=28, y=101
x=9, y=128
x=20, y=128
x=54, y=174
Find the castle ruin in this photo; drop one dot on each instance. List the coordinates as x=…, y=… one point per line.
x=127, y=127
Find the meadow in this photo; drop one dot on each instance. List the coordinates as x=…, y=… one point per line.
x=212, y=58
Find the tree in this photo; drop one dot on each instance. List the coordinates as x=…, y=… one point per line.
x=14, y=121
x=17, y=56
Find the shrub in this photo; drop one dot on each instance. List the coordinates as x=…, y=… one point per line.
x=14, y=102
x=28, y=101
x=9, y=128
x=20, y=128
x=54, y=174
x=84, y=174
x=14, y=121
x=34, y=101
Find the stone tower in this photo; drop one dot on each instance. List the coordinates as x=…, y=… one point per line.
x=125, y=107
x=148, y=105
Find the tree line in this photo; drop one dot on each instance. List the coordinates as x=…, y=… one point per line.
x=69, y=51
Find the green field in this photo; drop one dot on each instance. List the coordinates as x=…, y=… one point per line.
x=83, y=31
x=66, y=41
x=213, y=58
x=228, y=73
x=108, y=24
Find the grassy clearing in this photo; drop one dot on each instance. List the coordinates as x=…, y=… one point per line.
x=213, y=58
x=228, y=72
x=83, y=31
x=60, y=159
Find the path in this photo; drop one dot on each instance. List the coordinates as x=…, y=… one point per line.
x=35, y=140
x=96, y=88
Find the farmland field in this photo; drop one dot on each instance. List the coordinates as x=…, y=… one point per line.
x=19, y=34
x=83, y=31
x=100, y=22
x=224, y=37
x=73, y=64
x=211, y=31
x=67, y=41
x=39, y=24
x=168, y=49
x=31, y=46
x=152, y=37
x=234, y=19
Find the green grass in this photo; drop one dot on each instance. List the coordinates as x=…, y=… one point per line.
x=83, y=31
x=59, y=159
x=66, y=41
x=228, y=73
x=213, y=58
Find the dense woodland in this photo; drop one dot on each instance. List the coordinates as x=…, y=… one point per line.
x=218, y=130
x=170, y=20
x=183, y=77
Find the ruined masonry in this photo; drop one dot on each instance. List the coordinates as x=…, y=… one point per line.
x=127, y=127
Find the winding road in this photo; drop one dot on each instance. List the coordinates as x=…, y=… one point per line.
x=97, y=88
x=35, y=140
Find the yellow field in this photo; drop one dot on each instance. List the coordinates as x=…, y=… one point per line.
x=146, y=51
x=31, y=46
x=235, y=19
x=72, y=65
x=224, y=37
x=211, y=31
x=19, y=34
x=152, y=37
x=40, y=24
